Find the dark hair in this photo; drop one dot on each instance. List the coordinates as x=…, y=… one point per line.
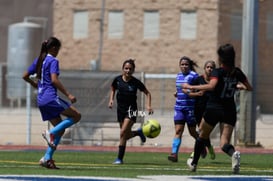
x=46, y=45
x=226, y=55
x=130, y=61
x=192, y=63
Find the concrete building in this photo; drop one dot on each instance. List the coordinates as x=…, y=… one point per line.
x=100, y=35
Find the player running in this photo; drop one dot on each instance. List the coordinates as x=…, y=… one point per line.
x=46, y=69
x=201, y=101
x=221, y=106
x=126, y=86
x=184, y=105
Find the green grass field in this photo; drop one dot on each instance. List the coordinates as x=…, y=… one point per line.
x=78, y=163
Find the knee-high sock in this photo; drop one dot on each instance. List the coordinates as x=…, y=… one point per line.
x=228, y=149
x=121, y=152
x=198, y=148
x=50, y=151
x=176, y=145
x=62, y=126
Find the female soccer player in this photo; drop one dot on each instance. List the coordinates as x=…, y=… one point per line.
x=201, y=101
x=126, y=86
x=221, y=106
x=184, y=106
x=46, y=69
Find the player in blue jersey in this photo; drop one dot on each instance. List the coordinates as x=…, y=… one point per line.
x=46, y=69
x=221, y=108
x=126, y=86
x=184, y=105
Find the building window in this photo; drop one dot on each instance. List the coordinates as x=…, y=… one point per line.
x=269, y=26
x=236, y=25
x=115, y=24
x=80, y=24
x=151, y=25
x=188, y=25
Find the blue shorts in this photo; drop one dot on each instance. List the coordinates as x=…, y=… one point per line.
x=53, y=109
x=184, y=116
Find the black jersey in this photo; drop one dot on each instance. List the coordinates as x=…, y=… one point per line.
x=127, y=91
x=222, y=96
x=201, y=101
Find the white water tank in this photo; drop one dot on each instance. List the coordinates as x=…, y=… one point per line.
x=24, y=44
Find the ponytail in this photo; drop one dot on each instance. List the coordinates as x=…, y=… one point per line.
x=46, y=45
x=41, y=58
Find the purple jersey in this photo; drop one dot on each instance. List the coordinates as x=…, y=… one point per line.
x=47, y=92
x=182, y=99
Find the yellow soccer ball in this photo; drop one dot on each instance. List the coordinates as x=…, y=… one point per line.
x=151, y=128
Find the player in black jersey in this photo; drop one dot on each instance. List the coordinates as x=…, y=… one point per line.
x=221, y=108
x=201, y=101
x=126, y=87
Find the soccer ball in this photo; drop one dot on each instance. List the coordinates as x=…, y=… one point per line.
x=151, y=128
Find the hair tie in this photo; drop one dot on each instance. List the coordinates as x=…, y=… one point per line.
x=45, y=42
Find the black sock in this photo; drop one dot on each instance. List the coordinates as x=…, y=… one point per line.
x=198, y=148
x=121, y=152
x=228, y=149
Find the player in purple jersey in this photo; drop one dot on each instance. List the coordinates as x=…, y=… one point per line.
x=126, y=87
x=184, y=105
x=221, y=108
x=46, y=69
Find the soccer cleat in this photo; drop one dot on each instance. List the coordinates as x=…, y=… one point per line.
x=173, y=157
x=50, y=164
x=118, y=162
x=192, y=167
x=49, y=139
x=211, y=152
x=141, y=135
x=235, y=162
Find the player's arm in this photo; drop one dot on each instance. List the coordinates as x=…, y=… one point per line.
x=149, y=101
x=57, y=83
x=111, y=98
x=26, y=77
x=205, y=87
x=244, y=86
x=192, y=93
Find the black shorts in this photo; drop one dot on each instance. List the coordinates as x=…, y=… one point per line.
x=213, y=116
x=130, y=113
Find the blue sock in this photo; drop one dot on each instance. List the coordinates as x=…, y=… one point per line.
x=176, y=145
x=49, y=152
x=62, y=126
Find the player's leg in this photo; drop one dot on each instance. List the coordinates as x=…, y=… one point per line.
x=177, y=140
x=211, y=118
x=226, y=133
x=199, y=146
x=125, y=133
x=47, y=160
x=73, y=116
x=208, y=145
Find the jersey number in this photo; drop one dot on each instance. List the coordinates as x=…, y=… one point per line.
x=229, y=90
